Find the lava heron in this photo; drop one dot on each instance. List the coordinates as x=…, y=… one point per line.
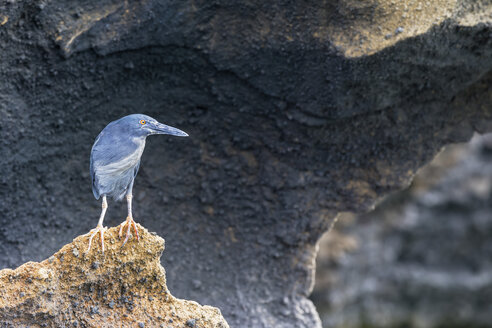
x=115, y=159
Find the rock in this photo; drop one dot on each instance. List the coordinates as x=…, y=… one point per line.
x=422, y=257
x=296, y=112
x=74, y=292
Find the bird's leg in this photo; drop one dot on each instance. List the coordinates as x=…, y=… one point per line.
x=129, y=221
x=99, y=227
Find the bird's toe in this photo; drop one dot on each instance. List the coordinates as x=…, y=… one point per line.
x=93, y=233
x=129, y=224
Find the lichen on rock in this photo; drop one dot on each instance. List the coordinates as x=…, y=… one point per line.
x=124, y=287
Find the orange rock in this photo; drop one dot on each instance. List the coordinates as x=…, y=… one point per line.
x=125, y=287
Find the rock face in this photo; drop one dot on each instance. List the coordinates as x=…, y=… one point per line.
x=296, y=111
x=125, y=287
x=422, y=258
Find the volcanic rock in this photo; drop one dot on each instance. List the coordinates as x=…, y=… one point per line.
x=296, y=110
x=124, y=287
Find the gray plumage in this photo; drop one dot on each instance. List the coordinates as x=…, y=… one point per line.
x=116, y=153
x=115, y=160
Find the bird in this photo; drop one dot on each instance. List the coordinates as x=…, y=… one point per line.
x=114, y=163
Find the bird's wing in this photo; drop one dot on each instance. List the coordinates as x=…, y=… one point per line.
x=95, y=190
x=135, y=170
x=113, y=155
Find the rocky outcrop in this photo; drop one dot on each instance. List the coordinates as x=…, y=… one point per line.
x=124, y=287
x=296, y=111
x=422, y=258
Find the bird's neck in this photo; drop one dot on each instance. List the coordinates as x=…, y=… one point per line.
x=139, y=141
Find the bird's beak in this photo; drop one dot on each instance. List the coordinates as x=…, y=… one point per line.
x=160, y=128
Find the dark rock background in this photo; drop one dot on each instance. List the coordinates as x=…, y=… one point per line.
x=422, y=257
x=287, y=129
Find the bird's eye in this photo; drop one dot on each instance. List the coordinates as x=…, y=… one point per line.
x=142, y=122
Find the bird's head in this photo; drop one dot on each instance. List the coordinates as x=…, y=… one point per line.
x=141, y=125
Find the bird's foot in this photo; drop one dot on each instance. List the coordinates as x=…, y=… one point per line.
x=93, y=233
x=130, y=223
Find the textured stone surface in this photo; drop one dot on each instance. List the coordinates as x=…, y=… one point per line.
x=290, y=123
x=422, y=258
x=125, y=287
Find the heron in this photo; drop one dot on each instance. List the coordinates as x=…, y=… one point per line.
x=114, y=164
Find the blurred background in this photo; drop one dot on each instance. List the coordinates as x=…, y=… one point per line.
x=297, y=111
x=422, y=257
